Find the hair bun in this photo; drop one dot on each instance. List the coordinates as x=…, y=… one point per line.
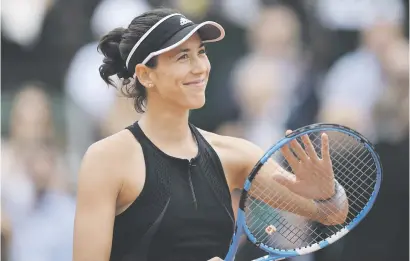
x=113, y=63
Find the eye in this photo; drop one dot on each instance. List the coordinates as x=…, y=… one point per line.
x=202, y=51
x=182, y=57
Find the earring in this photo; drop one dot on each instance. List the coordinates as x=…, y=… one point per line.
x=150, y=85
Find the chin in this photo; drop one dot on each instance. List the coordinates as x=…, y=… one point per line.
x=197, y=103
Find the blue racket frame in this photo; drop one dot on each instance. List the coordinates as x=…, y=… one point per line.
x=242, y=229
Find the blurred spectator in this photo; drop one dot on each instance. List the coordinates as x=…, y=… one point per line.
x=265, y=79
x=45, y=231
x=391, y=110
x=30, y=171
x=361, y=73
x=31, y=122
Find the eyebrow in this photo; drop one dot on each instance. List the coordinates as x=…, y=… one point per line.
x=187, y=49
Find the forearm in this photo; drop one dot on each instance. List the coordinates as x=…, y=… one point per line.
x=330, y=212
x=266, y=189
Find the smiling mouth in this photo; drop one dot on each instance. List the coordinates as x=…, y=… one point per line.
x=195, y=83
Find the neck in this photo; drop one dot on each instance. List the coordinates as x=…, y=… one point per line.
x=166, y=122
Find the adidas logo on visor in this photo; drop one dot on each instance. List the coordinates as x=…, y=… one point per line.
x=184, y=21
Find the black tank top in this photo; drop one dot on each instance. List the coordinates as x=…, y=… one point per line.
x=183, y=212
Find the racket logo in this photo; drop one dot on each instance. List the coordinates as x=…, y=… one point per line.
x=270, y=230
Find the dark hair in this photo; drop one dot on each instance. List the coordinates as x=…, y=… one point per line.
x=117, y=44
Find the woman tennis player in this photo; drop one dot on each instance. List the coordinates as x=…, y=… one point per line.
x=160, y=189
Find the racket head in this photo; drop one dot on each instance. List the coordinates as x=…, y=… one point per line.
x=359, y=205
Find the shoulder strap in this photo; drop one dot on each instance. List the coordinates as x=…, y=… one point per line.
x=135, y=129
x=213, y=172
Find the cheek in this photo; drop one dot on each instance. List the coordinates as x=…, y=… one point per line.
x=175, y=78
x=180, y=76
x=170, y=81
x=207, y=64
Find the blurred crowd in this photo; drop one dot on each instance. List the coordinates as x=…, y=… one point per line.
x=283, y=65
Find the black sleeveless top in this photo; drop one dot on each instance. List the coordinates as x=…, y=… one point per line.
x=184, y=211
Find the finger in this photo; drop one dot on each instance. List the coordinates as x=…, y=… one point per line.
x=325, y=147
x=290, y=158
x=288, y=132
x=309, y=147
x=299, y=151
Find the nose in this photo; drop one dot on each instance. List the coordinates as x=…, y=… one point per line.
x=199, y=65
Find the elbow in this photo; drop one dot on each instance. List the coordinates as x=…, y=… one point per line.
x=340, y=216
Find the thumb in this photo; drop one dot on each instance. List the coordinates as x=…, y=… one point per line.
x=215, y=259
x=285, y=180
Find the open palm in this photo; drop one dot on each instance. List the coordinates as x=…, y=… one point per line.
x=313, y=176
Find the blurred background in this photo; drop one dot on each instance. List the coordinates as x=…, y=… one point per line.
x=283, y=64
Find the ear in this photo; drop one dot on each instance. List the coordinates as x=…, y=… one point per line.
x=143, y=74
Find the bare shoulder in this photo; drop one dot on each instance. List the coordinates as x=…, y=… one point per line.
x=238, y=156
x=109, y=159
x=117, y=145
x=239, y=146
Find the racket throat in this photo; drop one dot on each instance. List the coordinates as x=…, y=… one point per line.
x=191, y=185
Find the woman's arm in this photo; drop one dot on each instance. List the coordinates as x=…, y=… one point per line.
x=98, y=187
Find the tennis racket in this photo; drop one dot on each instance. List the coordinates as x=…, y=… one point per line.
x=269, y=222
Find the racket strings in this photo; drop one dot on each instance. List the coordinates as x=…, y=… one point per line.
x=355, y=170
x=353, y=184
x=285, y=228
x=348, y=182
x=289, y=230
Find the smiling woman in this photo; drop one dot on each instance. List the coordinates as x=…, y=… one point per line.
x=161, y=188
